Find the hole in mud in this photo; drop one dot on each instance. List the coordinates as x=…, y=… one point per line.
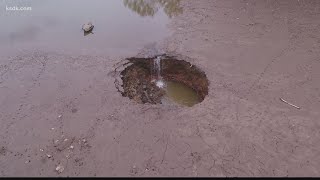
x=162, y=79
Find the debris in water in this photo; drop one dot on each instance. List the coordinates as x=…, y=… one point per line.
x=289, y=103
x=59, y=168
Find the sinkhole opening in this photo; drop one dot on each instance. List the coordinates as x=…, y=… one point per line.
x=162, y=79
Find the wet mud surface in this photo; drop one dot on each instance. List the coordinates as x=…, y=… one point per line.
x=61, y=114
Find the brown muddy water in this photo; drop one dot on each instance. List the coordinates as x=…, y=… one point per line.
x=181, y=94
x=121, y=27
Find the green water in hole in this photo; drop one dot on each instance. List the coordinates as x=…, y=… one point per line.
x=181, y=94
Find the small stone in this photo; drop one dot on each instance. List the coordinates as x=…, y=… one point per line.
x=87, y=27
x=52, y=128
x=59, y=168
x=71, y=147
x=60, y=116
x=66, y=143
x=41, y=150
x=27, y=161
x=49, y=156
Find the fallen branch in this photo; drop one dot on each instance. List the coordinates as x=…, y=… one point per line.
x=289, y=103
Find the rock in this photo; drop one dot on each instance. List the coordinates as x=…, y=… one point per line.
x=64, y=144
x=49, y=156
x=60, y=116
x=87, y=27
x=59, y=168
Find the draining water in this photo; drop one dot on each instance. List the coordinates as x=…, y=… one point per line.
x=181, y=94
x=157, y=72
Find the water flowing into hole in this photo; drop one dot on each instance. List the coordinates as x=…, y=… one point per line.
x=157, y=72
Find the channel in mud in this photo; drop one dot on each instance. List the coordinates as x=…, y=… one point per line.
x=183, y=83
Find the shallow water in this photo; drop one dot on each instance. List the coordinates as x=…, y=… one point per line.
x=121, y=27
x=181, y=94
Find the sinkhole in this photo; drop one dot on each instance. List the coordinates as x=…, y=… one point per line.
x=161, y=79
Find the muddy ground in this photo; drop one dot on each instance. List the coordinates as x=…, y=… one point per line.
x=64, y=109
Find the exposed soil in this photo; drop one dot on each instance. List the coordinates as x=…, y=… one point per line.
x=137, y=78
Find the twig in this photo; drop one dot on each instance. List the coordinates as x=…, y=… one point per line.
x=289, y=103
x=164, y=153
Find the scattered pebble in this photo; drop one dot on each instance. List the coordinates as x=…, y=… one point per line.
x=41, y=150
x=60, y=116
x=27, y=161
x=49, y=156
x=71, y=147
x=52, y=128
x=59, y=168
x=65, y=140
